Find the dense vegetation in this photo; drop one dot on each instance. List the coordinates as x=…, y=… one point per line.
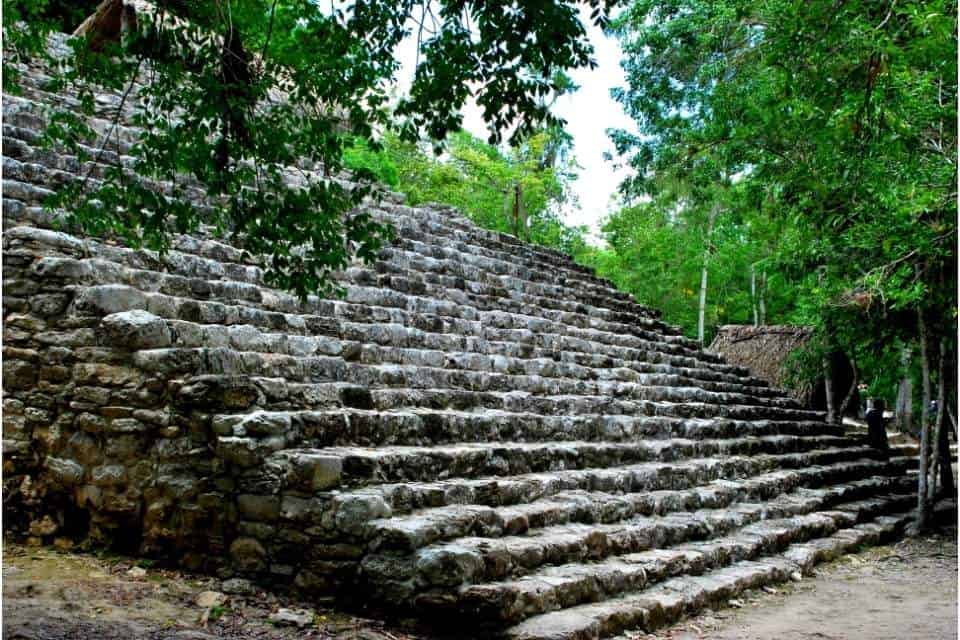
x=518, y=190
x=833, y=123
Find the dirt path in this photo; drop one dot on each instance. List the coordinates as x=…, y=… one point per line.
x=53, y=595
x=903, y=591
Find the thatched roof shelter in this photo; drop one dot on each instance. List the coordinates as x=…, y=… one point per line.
x=765, y=350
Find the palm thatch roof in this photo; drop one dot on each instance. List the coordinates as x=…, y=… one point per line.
x=765, y=350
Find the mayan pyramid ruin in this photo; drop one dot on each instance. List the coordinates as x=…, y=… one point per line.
x=481, y=431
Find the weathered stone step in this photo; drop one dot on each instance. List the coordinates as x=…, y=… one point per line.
x=498, y=491
x=384, y=465
x=24, y=115
x=276, y=496
x=360, y=426
x=667, y=336
x=33, y=83
x=669, y=601
x=429, y=526
x=449, y=289
x=431, y=264
x=414, y=265
x=174, y=362
x=475, y=560
x=252, y=291
x=456, y=233
x=349, y=341
x=565, y=586
x=167, y=295
x=615, y=402
x=396, y=342
x=436, y=266
x=602, y=415
x=20, y=171
x=569, y=299
x=27, y=114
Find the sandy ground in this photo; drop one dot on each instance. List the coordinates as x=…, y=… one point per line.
x=902, y=591
x=55, y=595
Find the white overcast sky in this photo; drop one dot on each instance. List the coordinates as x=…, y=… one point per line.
x=589, y=112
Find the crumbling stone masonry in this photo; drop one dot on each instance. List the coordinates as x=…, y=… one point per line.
x=481, y=430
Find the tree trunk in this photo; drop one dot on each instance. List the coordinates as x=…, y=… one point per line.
x=523, y=215
x=703, y=274
x=922, y=508
x=828, y=389
x=763, y=298
x=753, y=294
x=516, y=210
x=850, y=392
x=904, y=406
x=943, y=437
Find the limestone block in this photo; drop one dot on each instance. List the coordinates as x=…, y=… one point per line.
x=259, y=508
x=68, y=269
x=353, y=512
x=91, y=423
x=105, y=375
x=248, y=554
x=110, y=298
x=108, y=475
x=84, y=448
x=135, y=330
x=54, y=374
x=64, y=471
x=15, y=427
x=247, y=452
x=116, y=412
x=126, y=425
x=48, y=304
x=315, y=471
x=34, y=414
x=46, y=526
x=18, y=374
x=261, y=423
x=158, y=418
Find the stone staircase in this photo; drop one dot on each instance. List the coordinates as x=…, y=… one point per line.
x=481, y=432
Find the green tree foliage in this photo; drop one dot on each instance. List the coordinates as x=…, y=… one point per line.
x=253, y=102
x=842, y=117
x=656, y=251
x=485, y=181
x=838, y=120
